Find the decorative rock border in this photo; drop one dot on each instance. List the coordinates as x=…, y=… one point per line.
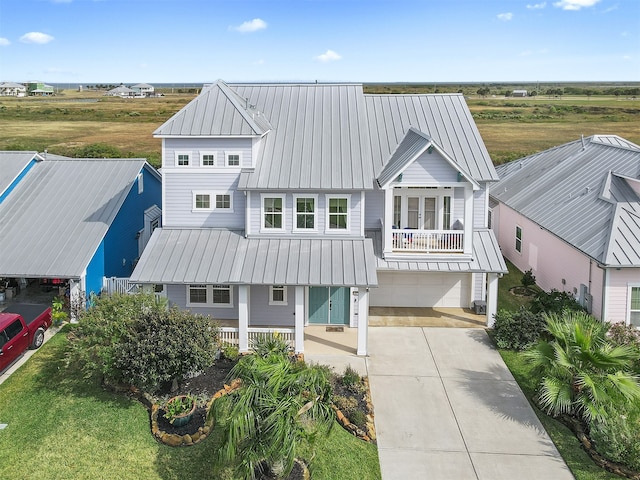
x=370, y=434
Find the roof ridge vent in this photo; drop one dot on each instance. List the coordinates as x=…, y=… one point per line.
x=583, y=144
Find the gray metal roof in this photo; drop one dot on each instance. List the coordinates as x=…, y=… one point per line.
x=486, y=257
x=12, y=164
x=319, y=140
x=585, y=192
x=445, y=118
x=213, y=256
x=54, y=220
x=217, y=111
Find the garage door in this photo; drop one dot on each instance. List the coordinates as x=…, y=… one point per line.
x=396, y=289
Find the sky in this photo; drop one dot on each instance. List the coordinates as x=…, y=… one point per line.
x=198, y=41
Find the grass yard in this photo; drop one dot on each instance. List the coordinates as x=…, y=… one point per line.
x=62, y=426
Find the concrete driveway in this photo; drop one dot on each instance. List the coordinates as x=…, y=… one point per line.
x=447, y=407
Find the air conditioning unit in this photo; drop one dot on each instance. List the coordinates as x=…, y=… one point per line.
x=480, y=307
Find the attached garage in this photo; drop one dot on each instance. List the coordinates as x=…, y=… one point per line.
x=432, y=289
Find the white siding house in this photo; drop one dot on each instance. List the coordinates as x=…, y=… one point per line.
x=293, y=204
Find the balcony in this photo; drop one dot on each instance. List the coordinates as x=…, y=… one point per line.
x=427, y=241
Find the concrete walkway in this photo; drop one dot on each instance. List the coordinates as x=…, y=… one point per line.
x=447, y=407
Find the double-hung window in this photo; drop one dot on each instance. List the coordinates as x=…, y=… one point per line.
x=233, y=159
x=208, y=159
x=182, y=159
x=277, y=295
x=273, y=212
x=338, y=213
x=209, y=201
x=209, y=295
x=518, y=239
x=634, y=306
x=201, y=201
x=305, y=212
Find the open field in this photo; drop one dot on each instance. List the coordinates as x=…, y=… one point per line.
x=511, y=127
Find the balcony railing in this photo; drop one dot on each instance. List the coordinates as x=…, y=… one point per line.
x=427, y=241
x=231, y=335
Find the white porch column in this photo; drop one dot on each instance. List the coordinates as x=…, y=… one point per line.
x=387, y=220
x=468, y=220
x=299, y=320
x=492, y=298
x=243, y=318
x=363, y=322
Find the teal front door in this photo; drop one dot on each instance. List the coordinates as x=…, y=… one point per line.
x=329, y=305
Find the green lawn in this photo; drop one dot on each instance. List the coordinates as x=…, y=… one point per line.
x=62, y=426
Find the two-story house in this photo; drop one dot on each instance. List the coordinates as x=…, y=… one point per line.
x=293, y=204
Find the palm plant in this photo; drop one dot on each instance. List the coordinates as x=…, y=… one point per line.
x=280, y=403
x=582, y=371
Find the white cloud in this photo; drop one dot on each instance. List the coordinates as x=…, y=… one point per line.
x=505, y=16
x=575, y=4
x=250, y=26
x=4, y=42
x=36, y=37
x=537, y=6
x=329, y=56
x=259, y=62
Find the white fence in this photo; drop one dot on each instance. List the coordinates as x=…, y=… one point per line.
x=230, y=335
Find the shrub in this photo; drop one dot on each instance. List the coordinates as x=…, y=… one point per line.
x=528, y=279
x=621, y=334
x=347, y=405
x=518, y=330
x=617, y=436
x=137, y=340
x=165, y=345
x=350, y=377
x=554, y=301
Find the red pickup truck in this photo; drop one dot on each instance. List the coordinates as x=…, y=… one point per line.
x=20, y=329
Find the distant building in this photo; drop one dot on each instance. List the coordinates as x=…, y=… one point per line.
x=39, y=88
x=121, y=91
x=519, y=93
x=143, y=90
x=12, y=89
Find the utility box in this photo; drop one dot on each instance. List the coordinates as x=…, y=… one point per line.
x=480, y=307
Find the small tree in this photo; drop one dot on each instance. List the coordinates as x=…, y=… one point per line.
x=280, y=403
x=528, y=279
x=582, y=372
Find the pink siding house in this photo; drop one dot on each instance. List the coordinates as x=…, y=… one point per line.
x=571, y=214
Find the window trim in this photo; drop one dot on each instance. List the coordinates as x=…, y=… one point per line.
x=208, y=152
x=295, y=227
x=630, y=288
x=284, y=300
x=178, y=154
x=263, y=197
x=340, y=231
x=228, y=154
x=209, y=296
x=518, y=244
x=212, y=201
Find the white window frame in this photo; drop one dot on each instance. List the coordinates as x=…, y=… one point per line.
x=226, y=159
x=315, y=213
x=213, y=154
x=178, y=155
x=263, y=197
x=343, y=231
x=630, y=288
x=518, y=240
x=212, y=201
x=282, y=288
x=209, y=296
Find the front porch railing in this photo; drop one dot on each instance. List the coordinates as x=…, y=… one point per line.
x=230, y=335
x=428, y=241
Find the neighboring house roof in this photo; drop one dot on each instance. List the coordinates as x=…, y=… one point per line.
x=486, y=257
x=12, y=85
x=586, y=192
x=56, y=217
x=120, y=90
x=214, y=256
x=12, y=164
x=444, y=118
x=141, y=86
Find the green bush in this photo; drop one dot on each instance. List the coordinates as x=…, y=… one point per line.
x=617, y=436
x=518, y=330
x=621, y=334
x=165, y=345
x=135, y=339
x=554, y=301
x=528, y=279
